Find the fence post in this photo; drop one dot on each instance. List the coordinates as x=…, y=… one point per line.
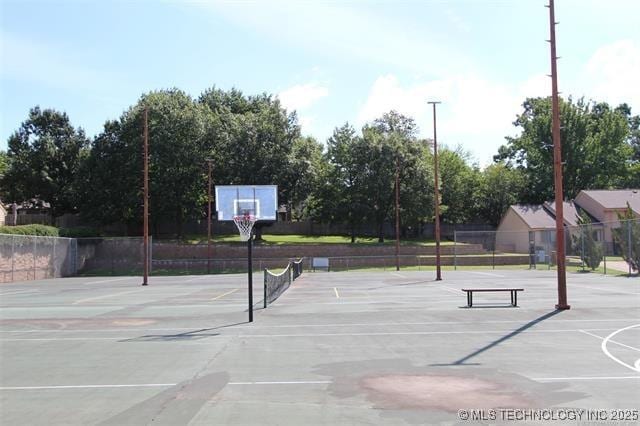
x=455, y=250
x=582, y=246
x=13, y=255
x=150, y=254
x=35, y=252
x=629, y=244
x=53, y=257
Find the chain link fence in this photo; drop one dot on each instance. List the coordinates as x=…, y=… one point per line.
x=605, y=247
x=608, y=248
x=25, y=257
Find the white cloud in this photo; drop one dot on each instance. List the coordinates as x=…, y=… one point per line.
x=302, y=96
x=476, y=112
x=612, y=74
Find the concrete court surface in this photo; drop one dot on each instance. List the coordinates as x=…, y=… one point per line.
x=336, y=348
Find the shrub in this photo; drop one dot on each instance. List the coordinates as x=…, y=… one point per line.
x=79, y=232
x=628, y=238
x=39, y=230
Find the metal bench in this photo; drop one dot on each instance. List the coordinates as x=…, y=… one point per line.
x=514, y=294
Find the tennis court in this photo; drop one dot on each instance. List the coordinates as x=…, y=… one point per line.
x=335, y=348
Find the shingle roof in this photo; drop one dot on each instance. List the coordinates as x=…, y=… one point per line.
x=617, y=198
x=535, y=216
x=569, y=209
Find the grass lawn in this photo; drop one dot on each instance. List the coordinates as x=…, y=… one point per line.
x=309, y=239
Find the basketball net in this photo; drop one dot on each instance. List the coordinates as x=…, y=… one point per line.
x=245, y=225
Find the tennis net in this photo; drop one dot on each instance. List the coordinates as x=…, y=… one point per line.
x=276, y=284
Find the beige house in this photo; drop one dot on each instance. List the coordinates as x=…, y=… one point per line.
x=605, y=206
x=524, y=227
x=531, y=228
x=3, y=215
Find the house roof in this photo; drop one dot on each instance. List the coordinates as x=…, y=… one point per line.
x=571, y=212
x=616, y=199
x=535, y=216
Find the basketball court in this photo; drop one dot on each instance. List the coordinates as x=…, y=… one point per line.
x=335, y=348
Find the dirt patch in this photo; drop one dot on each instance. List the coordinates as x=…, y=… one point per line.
x=440, y=392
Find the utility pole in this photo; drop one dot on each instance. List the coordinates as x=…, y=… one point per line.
x=209, y=160
x=397, y=214
x=145, y=215
x=557, y=166
x=437, y=192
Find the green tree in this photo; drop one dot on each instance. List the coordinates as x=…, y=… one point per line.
x=177, y=153
x=44, y=156
x=459, y=182
x=254, y=142
x=586, y=243
x=627, y=236
x=338, y=196
x=499, y=187
x=305, y=167
x=595, y=147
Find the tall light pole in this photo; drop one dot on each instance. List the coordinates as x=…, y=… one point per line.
x=397, y=214
x=209, y=160
x=437, y=192
x=145, y=215
x=557, y=166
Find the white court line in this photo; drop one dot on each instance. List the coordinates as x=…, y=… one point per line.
x=612, y=341
x=302, y=382
x=248, y=336
x=604, y=289
x=449, y=289
x=368, y=324
x=106, y=296
x=108, y=281
x=550, y=379
x=224, y=294
x=606, y=351
x=488, y=274
x=11, y=293
x=140, y=385
x=398, y=275
x=336, y=291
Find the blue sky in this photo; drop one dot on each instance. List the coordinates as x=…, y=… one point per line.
x=332, y=61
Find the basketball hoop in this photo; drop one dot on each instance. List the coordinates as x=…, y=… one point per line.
x=245, y=225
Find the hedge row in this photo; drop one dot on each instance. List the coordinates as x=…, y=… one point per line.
x=49, y=231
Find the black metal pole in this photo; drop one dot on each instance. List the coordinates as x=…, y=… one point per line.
x=250, y=277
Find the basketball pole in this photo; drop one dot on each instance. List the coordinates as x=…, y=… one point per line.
x=209, y=160
x=437, y=192
x=145, y=238
x=397, y=214
x=250, y=275
x=557, y=166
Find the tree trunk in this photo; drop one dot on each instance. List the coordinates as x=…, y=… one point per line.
x=353, y=233
x=179, y=220
x=381, y=231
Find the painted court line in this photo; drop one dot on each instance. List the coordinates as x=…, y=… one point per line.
x=607, y=353
x=611, y=341
x=224, y=294
x=336, y=291
x=248, y=336
x=108, y=281
x=551, y=379
x=302, y=382
x=488, y=274
x=381, y=324
x=90, y=299
x=25, y=291
x=398, y=275
x=139, y=385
